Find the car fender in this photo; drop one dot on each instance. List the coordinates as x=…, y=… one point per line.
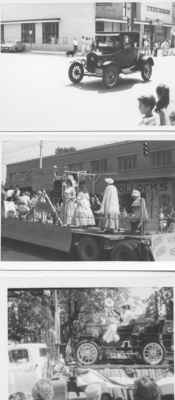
x=144, y=59
x=107, y=63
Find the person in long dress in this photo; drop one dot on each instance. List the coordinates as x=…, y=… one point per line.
x=69, y=197
x=110, y=208
x=83, y=213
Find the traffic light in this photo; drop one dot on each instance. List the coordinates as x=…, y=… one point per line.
x=146, y=149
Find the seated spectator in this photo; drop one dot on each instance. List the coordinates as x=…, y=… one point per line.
x=172, y=118
x=146, y=388
x=43, y=390
x=146, y=107
x=163, y=95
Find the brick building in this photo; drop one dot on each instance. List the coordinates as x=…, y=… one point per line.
x=153, y=174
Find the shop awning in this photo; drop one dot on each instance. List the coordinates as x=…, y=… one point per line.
x=120, y=21
x=29, y=21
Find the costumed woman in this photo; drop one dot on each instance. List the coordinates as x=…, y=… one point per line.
x=139, y=214
x=69, y=197
x=83, y=213
x=110, y=208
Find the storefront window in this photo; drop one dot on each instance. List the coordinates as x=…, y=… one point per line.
x=50, y=32
x=28, y=33
x=100, y=26
x=161, y=158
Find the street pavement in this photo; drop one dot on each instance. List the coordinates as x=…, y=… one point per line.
x=36, y=94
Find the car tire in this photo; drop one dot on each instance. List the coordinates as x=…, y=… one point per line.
x=110, y=76
x=124, y=252
x=86, y=353
x=88, y=249
x=146, y=71
x=153, y=353
x=76, y=72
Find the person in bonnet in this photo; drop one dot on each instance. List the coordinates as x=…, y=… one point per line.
x=139, y=215
x=110, y=208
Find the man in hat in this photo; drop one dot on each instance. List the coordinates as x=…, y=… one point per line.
x=110, y=207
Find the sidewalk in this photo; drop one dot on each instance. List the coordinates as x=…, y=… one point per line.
x=49, y=52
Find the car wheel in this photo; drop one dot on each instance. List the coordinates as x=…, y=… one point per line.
x=87, y=353
x=76, y=72
x=124, y=252
x=146, y=71
x=88, y=249
x=110, y=76
x=153, y=353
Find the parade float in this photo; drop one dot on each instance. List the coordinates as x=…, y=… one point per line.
x=88, y=243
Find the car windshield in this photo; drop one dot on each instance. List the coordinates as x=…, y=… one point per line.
x=19, y=355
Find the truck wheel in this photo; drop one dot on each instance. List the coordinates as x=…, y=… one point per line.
x=76, y=72
x=87, y=353
x=88, y=249
x=110, y=76
x=153, y=353
x=124, y=252
x=146, y=71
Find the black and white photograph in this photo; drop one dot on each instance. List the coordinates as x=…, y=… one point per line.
x=63, y=200
x=87, y=66
x=90, y=343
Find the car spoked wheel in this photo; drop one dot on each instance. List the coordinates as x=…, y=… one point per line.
x=153, y=353
x=76, y=72
x=146, y=72
x=110, y=76
x=87, y=353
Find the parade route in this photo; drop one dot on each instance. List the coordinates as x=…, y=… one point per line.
x=36, y=94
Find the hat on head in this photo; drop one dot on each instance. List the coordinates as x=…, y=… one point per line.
x=109, y=181
x=135, y=193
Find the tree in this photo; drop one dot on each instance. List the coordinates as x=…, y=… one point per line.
x=30, y=315
x=64, y=150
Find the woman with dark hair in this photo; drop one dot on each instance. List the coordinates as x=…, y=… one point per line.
x=146, y=388
x=43, y=390
x=69, y=197
x=163, y=95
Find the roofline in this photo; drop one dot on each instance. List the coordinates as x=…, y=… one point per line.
x=77, y=151
x=86, y=149
x=28, y=20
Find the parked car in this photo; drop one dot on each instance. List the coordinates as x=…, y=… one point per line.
x=28, y=363
x=108, y=61
x=12, y=47
x=143, y=341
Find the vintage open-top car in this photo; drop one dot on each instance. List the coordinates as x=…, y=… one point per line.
x=144, y=340
x=121, y=55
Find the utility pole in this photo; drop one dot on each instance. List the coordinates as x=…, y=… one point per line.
x=41, y=154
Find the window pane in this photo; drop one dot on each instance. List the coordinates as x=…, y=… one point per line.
x=28, y=33
x=18, y=355
x=50, y=32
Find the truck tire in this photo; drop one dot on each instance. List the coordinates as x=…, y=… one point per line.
x=124, y=252
x=88, y=249
x=76, y=72
x=146, y=71
x=153, y=353
x=86, y=353
x=110, y=76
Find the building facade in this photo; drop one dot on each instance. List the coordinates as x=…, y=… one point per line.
x=153, y=20
x=153, y=174
x=54, y=26
x=47, y=25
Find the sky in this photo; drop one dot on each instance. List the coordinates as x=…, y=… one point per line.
x=19, y=149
